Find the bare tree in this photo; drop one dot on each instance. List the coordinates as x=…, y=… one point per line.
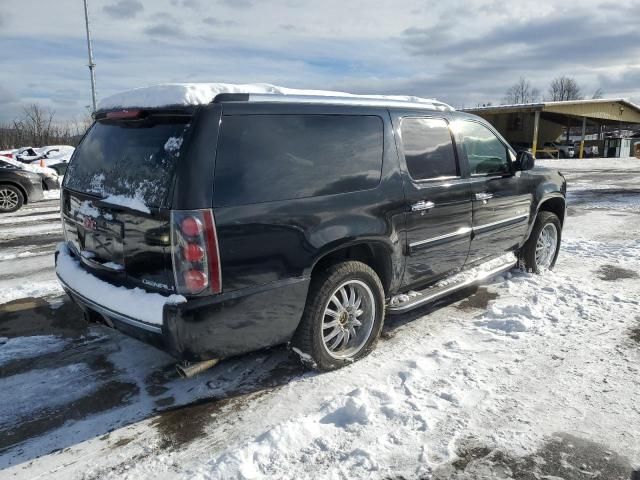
x=521, y=92
x=564, y=88
x=37, y=128
x=599, y=93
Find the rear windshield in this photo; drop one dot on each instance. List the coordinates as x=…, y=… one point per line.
x=134, y=160
x=263, y=158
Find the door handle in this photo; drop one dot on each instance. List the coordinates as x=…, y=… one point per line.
x=422, y=205
x=484, y=196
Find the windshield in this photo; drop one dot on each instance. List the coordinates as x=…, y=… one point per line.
x=134, y=160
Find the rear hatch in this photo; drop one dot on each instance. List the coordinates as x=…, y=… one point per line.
x=117, y=197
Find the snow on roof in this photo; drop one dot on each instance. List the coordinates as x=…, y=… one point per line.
x=183, y=94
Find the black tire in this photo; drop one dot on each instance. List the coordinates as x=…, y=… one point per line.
x=11, y=198
x=528, y=252
x=307, y=342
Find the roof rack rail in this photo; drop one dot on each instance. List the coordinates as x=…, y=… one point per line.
x=355, y=100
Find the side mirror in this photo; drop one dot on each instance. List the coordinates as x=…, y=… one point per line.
x=525, y=160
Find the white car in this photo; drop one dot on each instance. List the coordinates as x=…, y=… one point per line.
x=564, y=150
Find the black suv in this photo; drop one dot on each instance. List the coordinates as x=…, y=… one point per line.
x=256, y=220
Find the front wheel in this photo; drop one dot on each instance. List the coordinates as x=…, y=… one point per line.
x=343, y=316
x=540, y=251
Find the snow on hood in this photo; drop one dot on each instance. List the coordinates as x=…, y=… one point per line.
x=202, y=93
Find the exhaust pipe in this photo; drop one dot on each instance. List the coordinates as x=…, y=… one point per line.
x=187, y=370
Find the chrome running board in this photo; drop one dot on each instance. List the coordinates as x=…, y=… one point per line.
x=433, y=293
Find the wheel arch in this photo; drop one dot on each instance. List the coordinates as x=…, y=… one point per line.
x=555, y=204
x=375, y=254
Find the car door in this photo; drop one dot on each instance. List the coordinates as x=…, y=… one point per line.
x=438, y=211
x=501, y=200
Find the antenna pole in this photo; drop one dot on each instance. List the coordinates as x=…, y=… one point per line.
x=91, y=64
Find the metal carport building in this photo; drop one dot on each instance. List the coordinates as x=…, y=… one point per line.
x=533, y=124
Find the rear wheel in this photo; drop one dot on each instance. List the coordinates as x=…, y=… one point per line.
x=541, y=249
x=342, y=318
x=11, y=198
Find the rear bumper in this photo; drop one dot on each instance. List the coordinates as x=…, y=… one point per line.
x=212, y=327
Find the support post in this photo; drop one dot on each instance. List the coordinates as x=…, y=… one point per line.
x=584, y=130
x=536, y=122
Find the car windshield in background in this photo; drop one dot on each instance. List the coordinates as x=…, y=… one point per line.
x=128, y=159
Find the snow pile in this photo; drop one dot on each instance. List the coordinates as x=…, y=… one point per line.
x=135, y=303
x=202, y=93
x=30, y=289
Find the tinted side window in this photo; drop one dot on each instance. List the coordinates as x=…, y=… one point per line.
x=262, y=158
x=486, y=153
x=428, y=150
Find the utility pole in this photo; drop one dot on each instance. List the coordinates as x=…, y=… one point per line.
x=91, y=64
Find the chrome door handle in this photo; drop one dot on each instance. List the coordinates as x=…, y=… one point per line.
x=422, y=205
x=484, y=196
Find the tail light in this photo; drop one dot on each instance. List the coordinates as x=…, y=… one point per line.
x=196, y=258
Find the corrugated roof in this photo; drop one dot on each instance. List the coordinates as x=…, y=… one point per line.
x=601, y=108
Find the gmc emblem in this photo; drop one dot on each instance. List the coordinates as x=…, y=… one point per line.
x=89, y=223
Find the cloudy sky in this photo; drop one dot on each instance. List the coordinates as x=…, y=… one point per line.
x=461, y=52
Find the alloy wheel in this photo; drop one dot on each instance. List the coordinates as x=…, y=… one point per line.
x=8, y=199
x=546, y=246
x=348, y=319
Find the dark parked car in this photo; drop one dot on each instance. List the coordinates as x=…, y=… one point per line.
x=18, y=187
x=258, y=220
x=48, y=176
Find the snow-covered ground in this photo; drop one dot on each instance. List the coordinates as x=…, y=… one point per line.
x=528, y=377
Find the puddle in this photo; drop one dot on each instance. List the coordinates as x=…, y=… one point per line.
x=155, y=382
x=478, y=301
x=563, y=456
x=610, y=273
x=34, y=316
x=182, y=425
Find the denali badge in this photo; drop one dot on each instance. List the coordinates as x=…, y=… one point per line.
x=89, y=223
x=156, y=284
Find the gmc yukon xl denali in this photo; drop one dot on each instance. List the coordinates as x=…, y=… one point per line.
x=213, y=227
